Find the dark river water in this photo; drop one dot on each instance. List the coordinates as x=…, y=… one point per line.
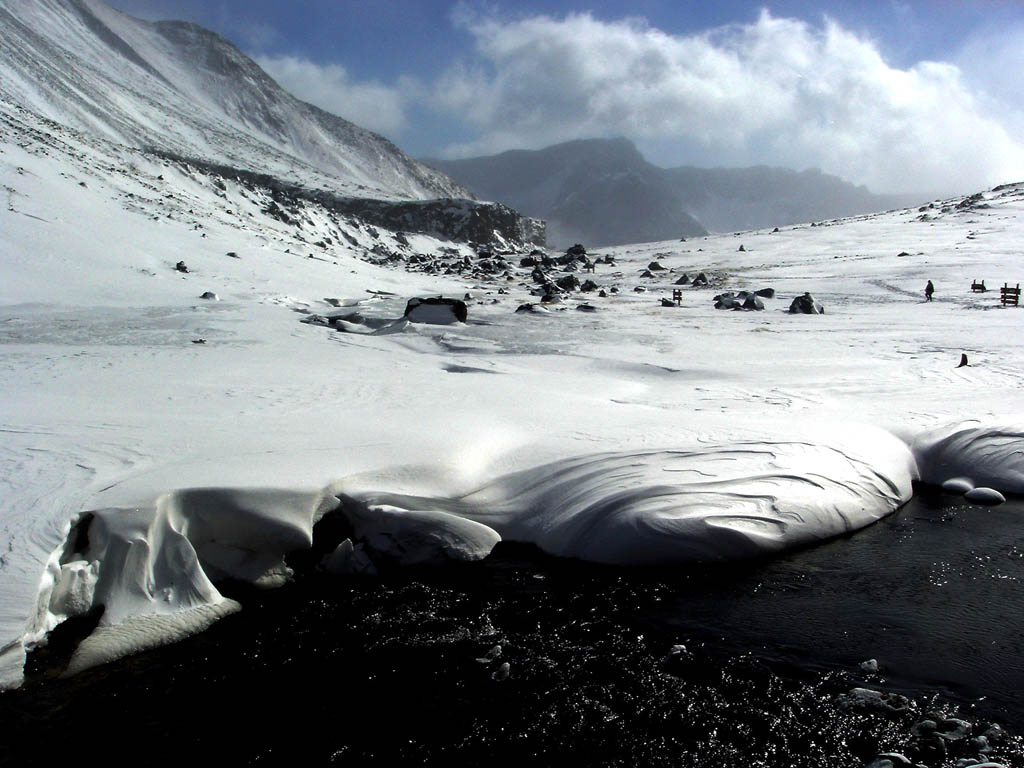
x=408, y=668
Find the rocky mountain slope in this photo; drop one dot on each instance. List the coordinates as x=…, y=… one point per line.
x=177, y=87
x=603, y=191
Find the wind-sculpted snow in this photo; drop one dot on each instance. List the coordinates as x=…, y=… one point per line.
x=983, y=456
x=151, y=569
x=408, y=537
x=715, y=503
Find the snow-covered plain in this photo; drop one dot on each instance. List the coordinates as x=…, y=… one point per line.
x=155, y=442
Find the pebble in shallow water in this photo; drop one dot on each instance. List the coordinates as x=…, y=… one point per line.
x=889, y=760
x=958, y=485
x=985, y=496
x=501, y=673
x=865, y=698
x=491, y=655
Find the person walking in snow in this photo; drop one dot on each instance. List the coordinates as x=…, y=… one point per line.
x=928, y=291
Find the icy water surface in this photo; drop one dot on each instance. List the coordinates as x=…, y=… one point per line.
x=410, y=667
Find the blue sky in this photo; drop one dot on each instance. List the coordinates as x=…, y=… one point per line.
x=902, y=96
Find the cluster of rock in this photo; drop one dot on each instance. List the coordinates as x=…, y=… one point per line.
x=745, y=300
x=700, y=281
x=486, y=264
x=551, y=288
x=967, y=204
x=935, y=738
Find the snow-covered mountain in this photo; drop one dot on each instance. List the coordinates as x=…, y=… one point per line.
x=178, y=87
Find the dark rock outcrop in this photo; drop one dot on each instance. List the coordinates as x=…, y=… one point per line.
x=806, y=305
x=436, y=311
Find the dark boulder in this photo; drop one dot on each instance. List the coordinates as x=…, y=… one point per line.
x=753, y=302
x=588, y=286
x=576, y=250
x=699, y=280
x=684, y=280
x=524, y=308
x=655, y=266
x=806, y=305
x=765, y=293
x=568, y=283
x=436, y=311
x=726, y=301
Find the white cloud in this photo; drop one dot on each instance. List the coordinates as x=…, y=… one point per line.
x=776, y=91
x=992, y=60
x=368, y=104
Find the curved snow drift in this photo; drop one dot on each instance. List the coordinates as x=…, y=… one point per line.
x=152, y=569
x=983, y=456
x=718, y=503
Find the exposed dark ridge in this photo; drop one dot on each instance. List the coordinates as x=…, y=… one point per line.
x=449, y=218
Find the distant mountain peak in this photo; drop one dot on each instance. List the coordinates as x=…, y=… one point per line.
x=603, y=191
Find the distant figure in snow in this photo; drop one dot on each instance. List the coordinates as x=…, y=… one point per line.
x=963, y=360
x=928, y=291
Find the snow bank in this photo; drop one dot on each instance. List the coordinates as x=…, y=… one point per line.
x=713, y=503
x=982, y=456
x=151, y=569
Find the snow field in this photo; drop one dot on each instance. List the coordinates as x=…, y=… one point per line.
x=632, y=434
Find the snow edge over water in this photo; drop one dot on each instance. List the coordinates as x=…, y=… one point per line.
x=151, y=569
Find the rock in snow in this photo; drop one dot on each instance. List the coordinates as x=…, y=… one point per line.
x=806, y=305
x=436, y=311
